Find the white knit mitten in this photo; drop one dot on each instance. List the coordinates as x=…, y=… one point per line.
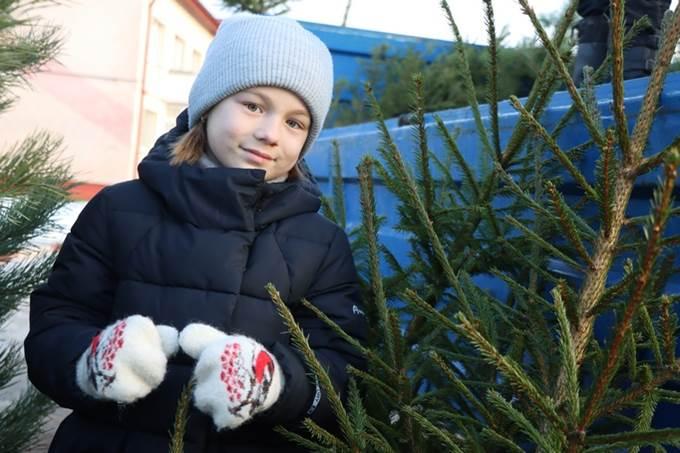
x=126, y=360
x=236, y=377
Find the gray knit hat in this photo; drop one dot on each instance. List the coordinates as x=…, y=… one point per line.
x=253, y=50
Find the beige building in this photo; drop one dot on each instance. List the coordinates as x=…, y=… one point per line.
x=122, y=77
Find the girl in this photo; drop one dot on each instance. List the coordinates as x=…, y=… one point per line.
x=163, y=278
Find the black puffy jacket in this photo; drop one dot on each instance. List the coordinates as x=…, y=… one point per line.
x=186, y=244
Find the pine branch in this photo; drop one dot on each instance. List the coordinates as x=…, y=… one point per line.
x=501, y=441
x=538, y=97
x=423, y=155
x=299, y=340
x=518, y=418
x=617, y=21
x=536, y=239
x=567, y=217
x=181, y=418
x=468, y=84
x=452, y=146
x=648, y=326
x=462, y=389
x=369, y=223
x=606, y=194
x=668, y=330
x=649, y=163
x=368, y=353
x=635, y=438
x=571, y=392
x=374, y=381
x=391, y=154
x=299, y=440
x=23, y=420
x=512, y=371
x=440, y=434
x=564, y=73
x=555, y=148
x=493, y=77
x=643, y=124
x=338, y=192
x=324, y=437
x=660, y=216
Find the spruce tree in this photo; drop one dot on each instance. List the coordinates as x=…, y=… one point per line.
x=275, y=7
x=32, y=187
x=454, y=367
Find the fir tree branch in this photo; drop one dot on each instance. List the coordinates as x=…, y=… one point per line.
x=23, y=420
x=452, y=146
x=571, y=391
x=566, y=217
x=179, y=427
x=372, y=380
x=564, y=73
x=389, y=152
x=338, y=192
x=645, y=117
x=512, y=371
x=428, y=426
x=536, y=239
x=462, y=389
x=518, y=418
x=369, y=224
x=423, y=156
x=324, y=437
x=492, y=97
x=501, y=441
x=517, y=287
x=649, y=163
x=555, y=148
x=667, y=330
x=300, y=440
x=660, y=216
x=467, y=81
x=648, y=326
x=635, y=438
x=299, y=340
x=538, y=98
x=617, y=78
x=366, y=352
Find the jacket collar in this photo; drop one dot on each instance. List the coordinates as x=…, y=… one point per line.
x=224, y=198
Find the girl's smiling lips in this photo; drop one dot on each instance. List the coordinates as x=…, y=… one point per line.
x=257, y=153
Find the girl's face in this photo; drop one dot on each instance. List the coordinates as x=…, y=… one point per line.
x=261, y=127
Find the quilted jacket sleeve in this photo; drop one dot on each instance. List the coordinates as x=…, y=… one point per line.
x=336, y=293
x=68, y=310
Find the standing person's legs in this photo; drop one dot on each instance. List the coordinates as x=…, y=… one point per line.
x=593, y=33
x=638, y=58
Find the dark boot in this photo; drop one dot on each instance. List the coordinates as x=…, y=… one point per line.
x=638, y=62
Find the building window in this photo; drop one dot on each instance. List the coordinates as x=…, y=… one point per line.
x=172, y=111
x=196, y=60
x=156, y=44
x=149, y=128
x=178, y=54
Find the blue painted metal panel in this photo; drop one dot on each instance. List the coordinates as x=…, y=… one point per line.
x=361, y=139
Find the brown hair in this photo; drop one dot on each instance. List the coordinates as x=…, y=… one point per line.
x=191, y=146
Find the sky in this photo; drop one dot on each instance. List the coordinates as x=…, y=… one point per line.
x=423, y=18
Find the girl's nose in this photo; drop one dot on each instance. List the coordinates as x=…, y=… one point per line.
x=267, y=131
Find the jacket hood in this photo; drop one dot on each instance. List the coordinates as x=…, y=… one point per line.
x=224, y=198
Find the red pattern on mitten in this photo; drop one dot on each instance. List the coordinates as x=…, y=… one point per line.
x=236, y=377
x=126, y=360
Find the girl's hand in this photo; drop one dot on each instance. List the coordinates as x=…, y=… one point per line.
x=126, y=360
x=236, y=377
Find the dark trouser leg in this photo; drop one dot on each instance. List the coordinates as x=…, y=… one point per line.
x=593, y=32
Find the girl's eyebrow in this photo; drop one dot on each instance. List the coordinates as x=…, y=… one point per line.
x=267, y=99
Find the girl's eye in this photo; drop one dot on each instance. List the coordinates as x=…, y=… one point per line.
x=295, y=124
x=252, y=106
